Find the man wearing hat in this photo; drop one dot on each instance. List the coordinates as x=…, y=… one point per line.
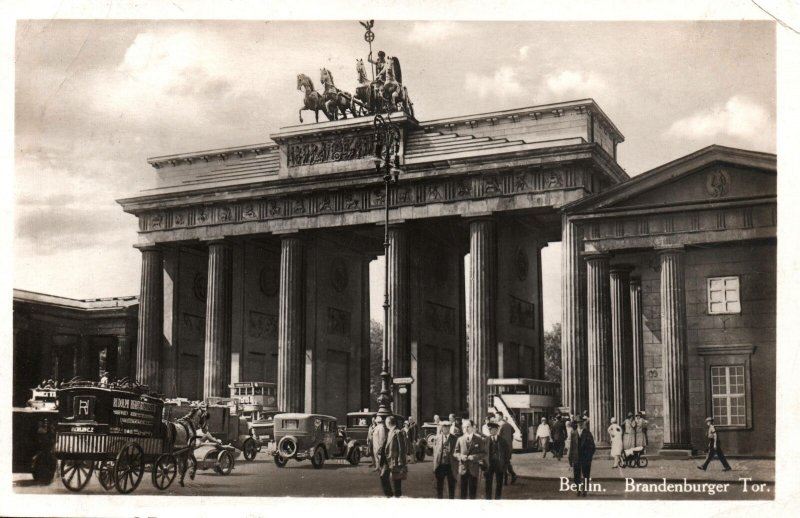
x=714, y=447
x=498, y=453
x=470, y=451
x=445, y=464
x=641, y=429
x=581, y=452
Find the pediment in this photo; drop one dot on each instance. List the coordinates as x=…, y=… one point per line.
x=710, y=184
x=713, y=174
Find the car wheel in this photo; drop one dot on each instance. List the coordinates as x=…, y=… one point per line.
x=318, y=460
x=249, y=449
x=280, y=461
x=224, y=464
x=355, y=457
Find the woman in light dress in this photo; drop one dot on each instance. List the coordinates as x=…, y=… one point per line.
x=615, y=433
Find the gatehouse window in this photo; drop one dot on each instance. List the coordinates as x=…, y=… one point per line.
x=728, y=395
x=723, y=295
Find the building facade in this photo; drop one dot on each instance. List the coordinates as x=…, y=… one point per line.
x=255, y=260
x=677, y=268
x=60, y=338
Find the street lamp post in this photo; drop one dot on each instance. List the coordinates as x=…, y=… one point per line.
x=387, y=164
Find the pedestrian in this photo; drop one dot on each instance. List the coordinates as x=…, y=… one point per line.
x=581, y=452
x=568, y=420
x=378, y=443
x=714, y=447
x=615, y=433
x=558, y=434
x=456, y=428
x=412, y=431
x=543, y=436
x=370, y=451
x=629, y=432
x=393, y=469
x=485, y=427
x=445, y=464
x=470, y=451
x=641, y=430
x=496, y=456
x=506, y=431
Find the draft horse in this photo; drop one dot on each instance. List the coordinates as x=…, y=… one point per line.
x=312, y=100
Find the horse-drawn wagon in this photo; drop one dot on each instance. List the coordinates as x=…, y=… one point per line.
x=117, y=432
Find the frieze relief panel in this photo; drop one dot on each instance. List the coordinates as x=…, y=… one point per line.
x=338, y=322
x=521, y=313
x=475, y=186
x=261, y=325
x=338, y=149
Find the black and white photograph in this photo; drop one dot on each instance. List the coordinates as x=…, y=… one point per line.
x=371, y=252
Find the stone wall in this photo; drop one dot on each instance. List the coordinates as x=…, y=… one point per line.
x=754, y=326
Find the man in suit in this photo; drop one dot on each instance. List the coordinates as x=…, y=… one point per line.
x=445, y=464
x=506, y=431
x=714, y=447
x=394, y=458
x=497, y=455
x=581, y=452
x=470, y=451
x=558, y=433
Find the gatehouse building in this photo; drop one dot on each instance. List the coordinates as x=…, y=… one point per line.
x=255, y=267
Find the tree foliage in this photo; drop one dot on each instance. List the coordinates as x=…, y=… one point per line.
x=375, y=359
x=552, y=354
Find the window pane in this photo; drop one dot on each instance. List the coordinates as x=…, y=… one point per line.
x=715, y=284
x=716, y=296
x=717, y=307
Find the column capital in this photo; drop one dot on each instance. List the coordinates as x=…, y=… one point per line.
x=216, y=241
x=479, y=216
x=670, y=249
x=149, y=247
x=595, y=256
x=621, y=268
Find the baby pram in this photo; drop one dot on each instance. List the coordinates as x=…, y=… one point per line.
x=633, y=458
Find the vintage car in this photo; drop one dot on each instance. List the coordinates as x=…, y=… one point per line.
x=225, y=424
x=427, y=433
x=357, y=427
x=312, y=436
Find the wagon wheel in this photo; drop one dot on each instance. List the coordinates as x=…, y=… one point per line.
x=75, y=474
x=129, y=467
x=249, y=449
x=355, y=457
x=280, y=461
x=164, y=471
x=318, y=460
x=641, y=462
x=105, y=474
x=44, y=468
x=224, y=464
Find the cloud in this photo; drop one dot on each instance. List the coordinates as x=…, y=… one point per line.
x=573, y=84
x=740, y=118
x=502, y=83
x=429, y=32
x=523, y=52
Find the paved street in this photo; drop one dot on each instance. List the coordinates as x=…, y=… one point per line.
x=540, y=480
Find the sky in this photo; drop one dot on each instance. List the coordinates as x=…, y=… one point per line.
x=95, y=98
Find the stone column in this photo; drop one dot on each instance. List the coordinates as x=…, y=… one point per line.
x=151, y=315
x=574, y=384
x=598, y=309
x=291, y=362
x=398, y=345
x=217, y=365
x=636, y=343
x=622, y=360
x=677, y=435
x=366, y=335
x=482, y=362
x=123, y=357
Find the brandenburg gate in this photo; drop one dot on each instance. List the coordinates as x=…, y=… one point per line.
x=255, y=259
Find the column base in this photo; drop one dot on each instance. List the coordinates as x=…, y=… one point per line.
x=675, y=450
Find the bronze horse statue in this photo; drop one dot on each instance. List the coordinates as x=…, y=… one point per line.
x=336, y=101
x=312, y=100
x=393, y=92
x=364, y=91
